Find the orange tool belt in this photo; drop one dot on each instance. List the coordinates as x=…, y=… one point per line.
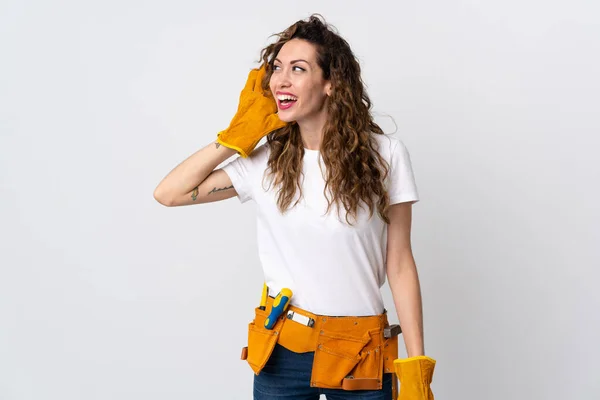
x=351, y=353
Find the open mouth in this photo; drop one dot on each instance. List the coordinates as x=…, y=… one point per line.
x=285, y=101
x=285, y=104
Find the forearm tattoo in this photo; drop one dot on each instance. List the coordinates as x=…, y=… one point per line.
x=195, y=193
x=217, y=144
x=221, y=189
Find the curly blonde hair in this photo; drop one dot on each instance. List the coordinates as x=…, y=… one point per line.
x=355, y=170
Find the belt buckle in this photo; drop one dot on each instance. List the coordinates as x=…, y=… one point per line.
x=300, y=318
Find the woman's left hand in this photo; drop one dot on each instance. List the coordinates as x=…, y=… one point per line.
x=415, y=375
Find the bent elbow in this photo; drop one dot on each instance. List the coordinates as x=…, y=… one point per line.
x=161, y=198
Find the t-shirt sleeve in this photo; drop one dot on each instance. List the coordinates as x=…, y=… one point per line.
x=402, y=185
x=240, y=171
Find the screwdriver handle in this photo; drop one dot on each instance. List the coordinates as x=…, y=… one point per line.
x=280, y=303
x=263, y=298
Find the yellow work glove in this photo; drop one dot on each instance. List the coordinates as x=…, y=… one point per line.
x=415, y=375
x=256, y=116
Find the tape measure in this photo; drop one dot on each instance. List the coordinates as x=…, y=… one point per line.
x=301, y=319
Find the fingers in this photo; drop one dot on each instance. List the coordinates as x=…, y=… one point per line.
x=255, y=77
x=261, y=72
x=250, y=83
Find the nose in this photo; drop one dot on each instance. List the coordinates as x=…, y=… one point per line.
x=280, y=79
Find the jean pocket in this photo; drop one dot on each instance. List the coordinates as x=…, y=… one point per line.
x=336, y=355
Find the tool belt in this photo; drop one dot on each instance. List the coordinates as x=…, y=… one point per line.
x=351, y=353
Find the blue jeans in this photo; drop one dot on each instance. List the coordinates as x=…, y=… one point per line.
x=287, y=376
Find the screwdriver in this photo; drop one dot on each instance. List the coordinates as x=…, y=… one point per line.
x=263, y=298
x=280, y=303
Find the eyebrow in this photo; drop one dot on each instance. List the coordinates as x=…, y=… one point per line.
x=293, y=61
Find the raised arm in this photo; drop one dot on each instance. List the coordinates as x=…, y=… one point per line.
x=196, y=180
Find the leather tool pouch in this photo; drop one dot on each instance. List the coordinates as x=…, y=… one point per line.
x=349, y=354
x=261, y=341
x=390, y=353
x=341, y=356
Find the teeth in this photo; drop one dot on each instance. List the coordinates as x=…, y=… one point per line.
x=286, y=97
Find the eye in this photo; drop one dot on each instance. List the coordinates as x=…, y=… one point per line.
x=295, y=66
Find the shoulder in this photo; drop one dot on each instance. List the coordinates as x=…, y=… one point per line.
x=260, y=154
x=258, y=157
x=389, y=146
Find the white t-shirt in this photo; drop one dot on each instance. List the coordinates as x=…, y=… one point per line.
x=331, y=267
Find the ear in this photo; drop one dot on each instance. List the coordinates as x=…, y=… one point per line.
x=328, y=89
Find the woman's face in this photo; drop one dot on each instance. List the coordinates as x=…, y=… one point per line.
x=297, y=82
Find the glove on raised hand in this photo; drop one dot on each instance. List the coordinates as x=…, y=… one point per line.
x=255, y=117
x=415, y=375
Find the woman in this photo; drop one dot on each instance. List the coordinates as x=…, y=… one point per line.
x=334, y=197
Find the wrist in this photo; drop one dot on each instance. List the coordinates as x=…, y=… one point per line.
x=409, y=359
x=415, y=351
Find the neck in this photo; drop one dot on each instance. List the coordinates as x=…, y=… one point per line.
x=311, y=130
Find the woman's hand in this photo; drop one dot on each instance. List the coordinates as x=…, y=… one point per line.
x=415, y=375
x=255, y=118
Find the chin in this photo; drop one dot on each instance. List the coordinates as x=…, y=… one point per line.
x=286, y=118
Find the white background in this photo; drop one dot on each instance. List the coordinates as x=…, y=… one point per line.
x=106, y=294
